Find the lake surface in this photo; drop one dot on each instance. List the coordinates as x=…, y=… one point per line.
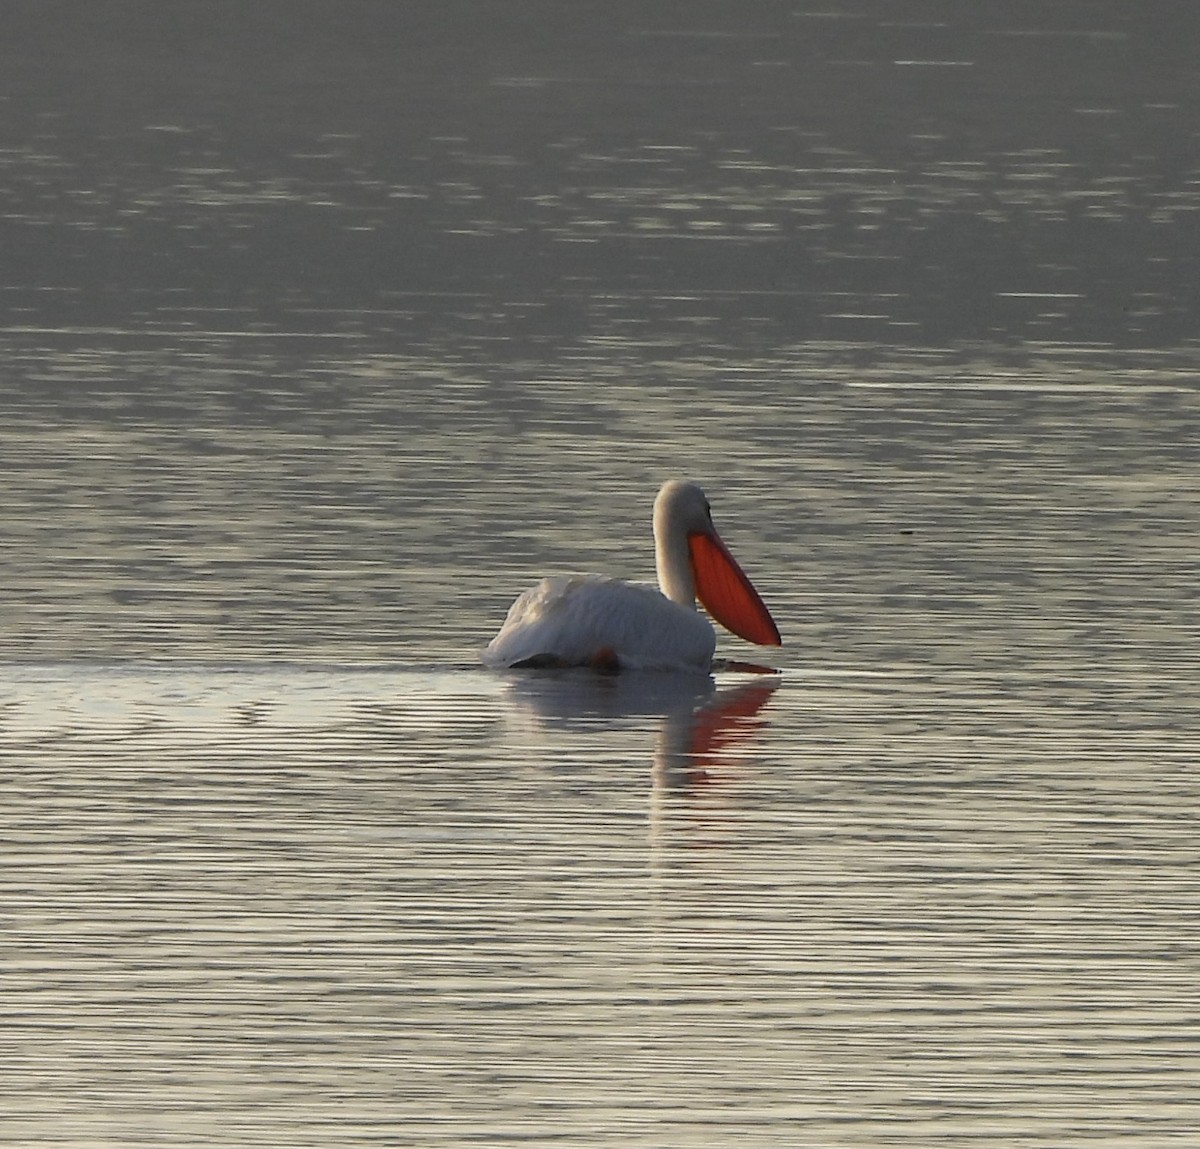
x=323, y=338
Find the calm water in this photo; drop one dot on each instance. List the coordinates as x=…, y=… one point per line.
x=322, y=338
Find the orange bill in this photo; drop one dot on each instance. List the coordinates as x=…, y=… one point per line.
x=727, y=594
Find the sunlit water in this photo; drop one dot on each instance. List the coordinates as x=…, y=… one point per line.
x=314, y=905
x=319, y=347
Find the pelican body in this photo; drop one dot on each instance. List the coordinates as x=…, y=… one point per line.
x=589, y=620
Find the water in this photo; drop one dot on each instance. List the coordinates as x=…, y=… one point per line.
x=323, y=339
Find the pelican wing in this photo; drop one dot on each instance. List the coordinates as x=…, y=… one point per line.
x=589, y=620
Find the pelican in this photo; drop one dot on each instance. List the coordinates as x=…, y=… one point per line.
x=609, y=624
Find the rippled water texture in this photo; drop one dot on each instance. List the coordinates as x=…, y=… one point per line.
x=324, y=336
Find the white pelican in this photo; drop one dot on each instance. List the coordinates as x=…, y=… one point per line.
x=588, y=620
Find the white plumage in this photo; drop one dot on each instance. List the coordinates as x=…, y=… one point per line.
x=589, y=620
x=576, y=620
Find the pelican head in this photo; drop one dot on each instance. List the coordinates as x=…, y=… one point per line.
x=693, y=561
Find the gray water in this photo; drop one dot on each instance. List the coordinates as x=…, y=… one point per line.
x=323, y=337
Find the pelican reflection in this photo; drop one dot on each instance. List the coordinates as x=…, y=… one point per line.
x=699, y=722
